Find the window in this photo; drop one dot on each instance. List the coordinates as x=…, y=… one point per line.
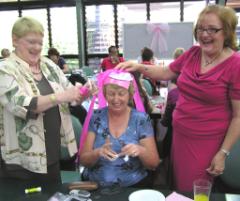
x=192, y=10
x=165, y=12
x=130, y=13
x=6, y=28
x=238, y=30
x=64, y=30
x=100, y=28
x=41, y=16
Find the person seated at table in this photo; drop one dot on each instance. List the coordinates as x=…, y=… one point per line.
x=120, y=144
x=148, y=59
x=5, y=53
x=54, y=55
x=112, y=60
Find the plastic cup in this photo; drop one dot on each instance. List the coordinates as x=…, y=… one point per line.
x=202, y=189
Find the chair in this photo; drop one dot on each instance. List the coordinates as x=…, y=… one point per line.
x=76, y=77
x=70, y=176
x=231, y=176
x=68, y=167
x=148, y=87
x=67, y=162
x=87, y=71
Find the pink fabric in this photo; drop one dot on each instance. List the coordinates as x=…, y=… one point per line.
x=84, y=91
x=177, y=197
x=159, y=33
x=107, y=63
x=124, y=84
x=85, y=127
x=101, y=98
x=202, y=114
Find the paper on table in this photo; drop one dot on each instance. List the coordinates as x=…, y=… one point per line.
x=177, y=197
x=232, y=197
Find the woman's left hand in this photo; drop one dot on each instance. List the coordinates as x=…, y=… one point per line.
x=217, y=165
x=93, y=88
x=132, y=150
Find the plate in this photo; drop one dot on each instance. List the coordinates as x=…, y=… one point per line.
x=146, y=195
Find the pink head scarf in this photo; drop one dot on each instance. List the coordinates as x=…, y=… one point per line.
x=112, y=76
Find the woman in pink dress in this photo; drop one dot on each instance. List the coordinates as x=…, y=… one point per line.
x=207, y=115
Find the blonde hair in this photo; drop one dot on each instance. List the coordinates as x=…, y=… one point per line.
x=178, y=52
x=25, y=25
x=229, y=20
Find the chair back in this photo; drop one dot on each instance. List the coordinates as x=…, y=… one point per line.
x=77, y=127
x=231, y=175
x=148, y=87
x=87, y=71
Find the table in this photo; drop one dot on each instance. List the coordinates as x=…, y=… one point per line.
x=13, y=190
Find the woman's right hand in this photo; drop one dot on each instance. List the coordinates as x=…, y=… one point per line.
x=106, y=152
x=128, y=66
x=71, y=94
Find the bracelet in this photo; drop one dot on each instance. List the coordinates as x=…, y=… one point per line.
x=225, y=152
x=53, y=99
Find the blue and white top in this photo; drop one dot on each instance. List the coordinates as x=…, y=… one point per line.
x=120, y=171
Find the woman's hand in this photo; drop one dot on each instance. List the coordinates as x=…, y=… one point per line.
x=106, y=152
x=71, y=94
x=128, y=66
x=217, y=165
x=132, y=150
x=93, y=88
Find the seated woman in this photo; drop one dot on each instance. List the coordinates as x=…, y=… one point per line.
x=112, y=60
x=54, y=55
x=120, y=144
x=148, y=59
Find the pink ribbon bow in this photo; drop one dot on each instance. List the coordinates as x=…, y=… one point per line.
x=159, y=33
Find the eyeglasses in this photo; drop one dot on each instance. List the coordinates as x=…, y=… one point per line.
x=33, y=42
x=210, y=31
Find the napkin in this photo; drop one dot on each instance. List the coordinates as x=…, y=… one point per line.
x=177, y=197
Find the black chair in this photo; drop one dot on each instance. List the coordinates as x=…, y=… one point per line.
x=77, y=77
x=67, y=162
x=229, y=181
x=78, y=111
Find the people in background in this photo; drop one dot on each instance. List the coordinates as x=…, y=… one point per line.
x=172, y=98
x=5, y=53
x=147, y=56
x=112, y=60
x=54, y=55
x=207, y=115
x=120, y=144
x=34, y=115
x=178, y=52
x=143, y=93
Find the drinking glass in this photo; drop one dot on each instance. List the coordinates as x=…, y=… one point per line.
x=202, y=189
